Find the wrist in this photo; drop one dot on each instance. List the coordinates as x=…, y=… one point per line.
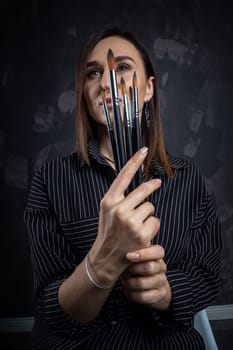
x=106, y=268
x=92, y=277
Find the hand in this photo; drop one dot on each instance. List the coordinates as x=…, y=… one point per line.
x=126, y=223
x=145, y=280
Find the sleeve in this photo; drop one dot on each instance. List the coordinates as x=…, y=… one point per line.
x=195, y=280
x=52, y=261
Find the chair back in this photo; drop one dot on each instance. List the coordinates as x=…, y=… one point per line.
x=202, y=325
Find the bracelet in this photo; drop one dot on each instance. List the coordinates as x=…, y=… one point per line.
x=98, y=285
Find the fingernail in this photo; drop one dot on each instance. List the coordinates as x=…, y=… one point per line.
x=143, y=150
x=133, y=256
x=158, y=181
x=157, y=222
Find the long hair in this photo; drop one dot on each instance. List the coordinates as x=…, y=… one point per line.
x=152, y=136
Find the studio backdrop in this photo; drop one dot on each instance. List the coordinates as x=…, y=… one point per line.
x=191, y=44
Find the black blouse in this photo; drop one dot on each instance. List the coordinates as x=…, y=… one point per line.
x=62, y=219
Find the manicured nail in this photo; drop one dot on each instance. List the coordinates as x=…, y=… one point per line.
x=158, y=181
x=143, y=150
x=133, y=256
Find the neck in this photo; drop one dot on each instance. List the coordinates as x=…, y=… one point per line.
x=104, y=144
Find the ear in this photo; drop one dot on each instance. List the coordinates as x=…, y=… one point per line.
x=149, y=89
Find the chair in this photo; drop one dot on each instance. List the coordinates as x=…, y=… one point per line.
x=202, y=325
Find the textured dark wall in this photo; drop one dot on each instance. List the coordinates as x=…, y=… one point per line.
x=191, y=42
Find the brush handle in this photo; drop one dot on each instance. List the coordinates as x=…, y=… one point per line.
x=136, y=131
x=111, y=138
x=128, y=129
x=118, y=127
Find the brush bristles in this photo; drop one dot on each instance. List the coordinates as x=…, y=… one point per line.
x=135, y=81
x=102, y=91
x=123, y=87
x=131, y=93
x=111, y=60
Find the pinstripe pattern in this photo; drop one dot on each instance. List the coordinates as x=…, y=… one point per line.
x=62, y=219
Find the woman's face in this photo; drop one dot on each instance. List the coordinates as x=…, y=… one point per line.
x=128, y=60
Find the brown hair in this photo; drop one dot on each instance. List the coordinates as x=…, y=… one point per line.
x=152, y=136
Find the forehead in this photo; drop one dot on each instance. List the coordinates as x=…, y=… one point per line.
x=119, y=46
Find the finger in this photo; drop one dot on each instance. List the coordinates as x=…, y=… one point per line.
x=122, y=181
x=145, y=283
x=137, y=196
x=143, y=211
x=152, y=252
x=150, y=296
x=149, y=229
x=154, y=224
x=148, y=268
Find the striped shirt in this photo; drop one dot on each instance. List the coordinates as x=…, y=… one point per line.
x=61, y=217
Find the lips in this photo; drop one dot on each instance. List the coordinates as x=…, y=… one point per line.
x=109, y=102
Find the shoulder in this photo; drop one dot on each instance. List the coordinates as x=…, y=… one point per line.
x=58, y=166
x=55, y=172
x=49, y=178
x=184, y=165
x=189, y=175
x=179, y=165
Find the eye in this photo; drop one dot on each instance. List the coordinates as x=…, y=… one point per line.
x=123, y=67
x=93, y=73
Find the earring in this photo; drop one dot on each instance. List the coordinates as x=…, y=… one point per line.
x=147, y=114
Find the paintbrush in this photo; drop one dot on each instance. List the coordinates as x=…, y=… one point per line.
x=136, y=136
x=128, y=129
x=132, y=117
x=136, y=114
x=118, y=127
x=127, y=121
x=110, y=131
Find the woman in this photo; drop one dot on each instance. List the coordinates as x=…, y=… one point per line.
x=117, y=271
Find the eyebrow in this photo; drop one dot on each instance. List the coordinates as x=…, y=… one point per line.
x=117, y=59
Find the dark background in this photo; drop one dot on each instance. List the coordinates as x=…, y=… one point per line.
x=191, y=46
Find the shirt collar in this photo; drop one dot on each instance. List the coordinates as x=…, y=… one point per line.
x=175, y=162
x=96, y=156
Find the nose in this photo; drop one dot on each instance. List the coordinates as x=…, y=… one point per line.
x=105, y=79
